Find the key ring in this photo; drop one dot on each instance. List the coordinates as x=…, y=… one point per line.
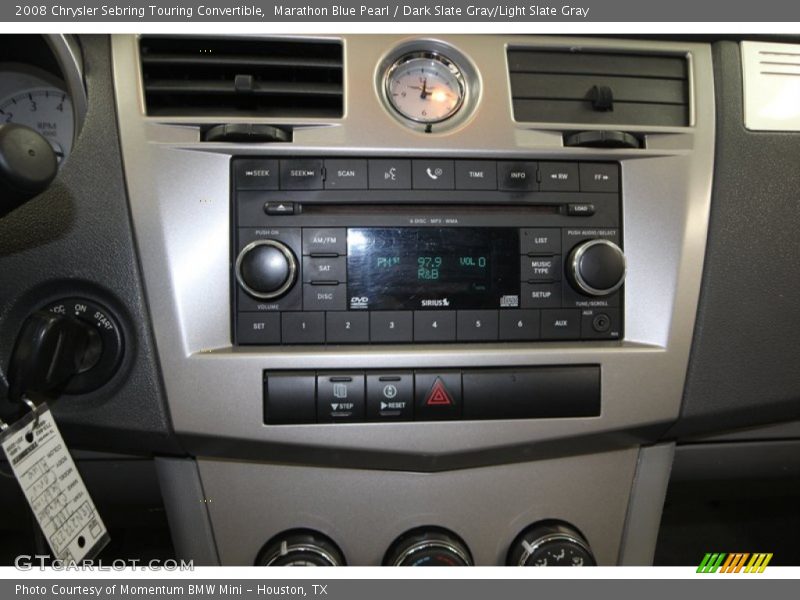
x=32, y=406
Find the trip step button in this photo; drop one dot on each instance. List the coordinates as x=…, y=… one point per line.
x=340, y=398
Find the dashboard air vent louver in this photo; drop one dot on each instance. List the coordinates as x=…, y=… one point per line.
x=190, y=77
x=599, y=88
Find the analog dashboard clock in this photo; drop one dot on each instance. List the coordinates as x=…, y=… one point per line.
x=425, y=87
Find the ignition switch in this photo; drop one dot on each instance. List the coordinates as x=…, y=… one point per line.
x=71, y=346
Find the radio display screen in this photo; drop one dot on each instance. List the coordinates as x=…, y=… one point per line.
x=408, y=268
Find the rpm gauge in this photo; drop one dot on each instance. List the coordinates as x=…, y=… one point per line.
x=425, y=87
x=47, y=110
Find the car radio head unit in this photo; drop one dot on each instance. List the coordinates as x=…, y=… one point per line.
x=416, y=250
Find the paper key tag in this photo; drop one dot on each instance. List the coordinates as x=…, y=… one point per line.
x=53, y=487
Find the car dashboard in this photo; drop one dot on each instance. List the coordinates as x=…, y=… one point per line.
x=414, y=299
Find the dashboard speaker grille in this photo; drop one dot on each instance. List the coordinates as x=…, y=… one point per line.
x=186, y=76
x=599, y=88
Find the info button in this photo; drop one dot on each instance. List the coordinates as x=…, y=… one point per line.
x=517, y=176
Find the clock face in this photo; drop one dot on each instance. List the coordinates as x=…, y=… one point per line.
x=425, y=87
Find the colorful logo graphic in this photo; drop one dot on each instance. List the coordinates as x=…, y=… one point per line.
x=734, y=563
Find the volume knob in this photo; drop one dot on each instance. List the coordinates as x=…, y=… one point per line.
x=597, y=267
x=266, y=269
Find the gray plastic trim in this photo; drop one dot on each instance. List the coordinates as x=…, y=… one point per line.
x=646, y=503
x=365, y=511
x=179, y=192
x=187, y=514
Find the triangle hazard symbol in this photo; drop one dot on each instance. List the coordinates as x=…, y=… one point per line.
x=438, y=396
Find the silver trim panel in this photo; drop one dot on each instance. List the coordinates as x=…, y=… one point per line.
x=179, y=192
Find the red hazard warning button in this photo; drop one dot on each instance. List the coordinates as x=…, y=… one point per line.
x=437, y=395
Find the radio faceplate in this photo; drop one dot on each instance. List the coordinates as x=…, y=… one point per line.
x=364, y=251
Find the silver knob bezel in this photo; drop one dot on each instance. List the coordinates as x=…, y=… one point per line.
x=290, y=260
x=286, y=549
x=436, y=544
x=575, y=262
x=529, y=549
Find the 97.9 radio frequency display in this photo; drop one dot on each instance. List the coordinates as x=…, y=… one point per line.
x=450, y=268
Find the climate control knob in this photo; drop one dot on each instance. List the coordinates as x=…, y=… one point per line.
x=301, y=548
x=266, y=269
x=550, y=544
x=428, y=547
x=596, y=267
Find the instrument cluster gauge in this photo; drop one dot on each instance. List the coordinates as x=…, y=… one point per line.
x=425, y=87
x=45, y=109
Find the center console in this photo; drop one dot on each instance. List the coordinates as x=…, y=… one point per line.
x=381, y=337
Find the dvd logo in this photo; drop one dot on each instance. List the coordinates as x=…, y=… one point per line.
x=359, y=302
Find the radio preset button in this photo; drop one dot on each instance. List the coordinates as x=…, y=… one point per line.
x=324, y=269
x=258, y=328
x=340, y=397
x=517, y=176
x=391, y=326
x=540, y=295
x=347, y=327
x=540, y=240
x=303, y=327
x=599, y=177
x=476, y=175
x=324, y=240
x=434, y=326
x=561, y=324
x=390, y=174
x=540, y=268
x=519, y=325
x=255, y=174
x=324, y=297
x=301, y=174
x=559, y=177
x=433, y=174
x=346, y=174
x=390, y=397
x=476, y=325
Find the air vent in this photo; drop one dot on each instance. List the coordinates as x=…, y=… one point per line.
x=242, y=77
x=599, y=88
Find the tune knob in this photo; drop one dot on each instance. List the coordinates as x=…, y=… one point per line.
x=266, y=269
x=300, y=548
x=596, y=267
x=428, y=547
x=550, y=544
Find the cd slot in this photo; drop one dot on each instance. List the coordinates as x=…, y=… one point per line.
x=414, y=210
